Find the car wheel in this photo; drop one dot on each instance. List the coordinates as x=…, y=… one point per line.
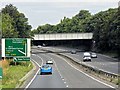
x=41, y=73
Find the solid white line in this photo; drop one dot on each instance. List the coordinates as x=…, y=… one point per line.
x=55, y=65
x=57, y=69
x=87, y=74
x=97, y=67
x=33, y=77
x=35, y=74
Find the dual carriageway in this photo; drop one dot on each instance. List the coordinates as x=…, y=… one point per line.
x=67, y=75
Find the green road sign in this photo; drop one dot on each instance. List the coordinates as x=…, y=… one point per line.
x=18, y=59
x=15, y=47
x=1, y=73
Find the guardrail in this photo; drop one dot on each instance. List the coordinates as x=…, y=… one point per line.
x=108, y=74
x=105, y=75
x=90, y=69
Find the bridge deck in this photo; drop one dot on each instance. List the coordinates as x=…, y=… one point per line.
x=64, y=36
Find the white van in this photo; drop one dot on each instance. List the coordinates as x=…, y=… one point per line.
x=86, y=56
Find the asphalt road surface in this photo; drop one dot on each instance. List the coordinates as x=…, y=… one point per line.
x=64, y=75
x=102, y=62
x=46, y=81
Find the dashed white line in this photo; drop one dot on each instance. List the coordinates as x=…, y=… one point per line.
x=64, y=82
x=67, y=86
x=55, y=66
x=86, y=74
x=41, y=59
x=58, y=70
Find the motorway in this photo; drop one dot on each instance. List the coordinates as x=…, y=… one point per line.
x=64, y=75
x=46, y=81
x=102, y=62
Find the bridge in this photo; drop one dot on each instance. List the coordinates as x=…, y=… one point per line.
x=63, y=36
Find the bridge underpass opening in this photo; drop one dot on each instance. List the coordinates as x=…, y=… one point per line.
x=85, y=44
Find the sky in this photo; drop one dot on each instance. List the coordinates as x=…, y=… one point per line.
x=41, y=12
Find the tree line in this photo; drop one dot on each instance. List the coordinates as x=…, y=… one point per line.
x=105, y=26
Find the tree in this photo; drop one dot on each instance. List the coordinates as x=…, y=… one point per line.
x=99, y=24
x=20, y=22
x=115, y=31
x=7, y=27
x=45, y=29
x=105, y=26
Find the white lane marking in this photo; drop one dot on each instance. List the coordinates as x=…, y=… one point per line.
x=98, y=63
x=64, y=82
x=58, y=49
x=35, y=74
x=55, y=65
x=41, y=59
x=67, y=86
x=86, y=74
x=113, y=63
x=57, y=68
x=33, y=77
x=33, y=54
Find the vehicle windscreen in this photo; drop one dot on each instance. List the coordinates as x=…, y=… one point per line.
x=46, y=66
x=87, y=56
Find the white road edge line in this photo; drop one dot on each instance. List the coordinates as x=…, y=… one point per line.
x=35, y=74
x=89, y=64
x=97, y=67
x=55, y=65
x=86, y=74
x=56, y=68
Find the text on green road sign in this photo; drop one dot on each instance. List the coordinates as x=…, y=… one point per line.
x=15, y=47
x=17, y=59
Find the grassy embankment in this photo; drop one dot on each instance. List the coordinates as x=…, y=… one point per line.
x=13, y=73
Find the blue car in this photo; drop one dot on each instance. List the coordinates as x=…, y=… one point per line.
x=46, y=69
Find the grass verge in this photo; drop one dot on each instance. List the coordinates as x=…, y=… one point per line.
x=13, y=73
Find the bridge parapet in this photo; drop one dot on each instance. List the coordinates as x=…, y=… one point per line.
x=63, y=36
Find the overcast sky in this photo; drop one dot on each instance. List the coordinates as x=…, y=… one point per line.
x=40, y=12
